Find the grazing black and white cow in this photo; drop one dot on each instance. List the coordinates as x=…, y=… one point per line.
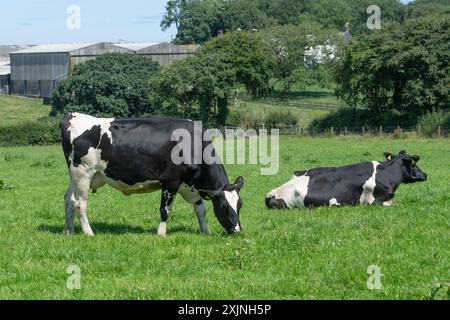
x=363, y=183
x=134, y=156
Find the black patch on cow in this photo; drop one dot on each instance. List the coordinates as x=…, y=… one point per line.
x=140, y=151
x=89, y=139
x=345, y=184
x=274, y=203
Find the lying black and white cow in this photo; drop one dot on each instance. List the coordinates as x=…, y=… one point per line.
x=134, y=156
x=363, y=183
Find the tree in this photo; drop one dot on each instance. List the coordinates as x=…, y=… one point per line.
x=110, y=85
x=199, y=21
x=401, y=67
x=200, y=87
x=423, y=8
x=246, y=15
x=291, y=44
x=173, y=13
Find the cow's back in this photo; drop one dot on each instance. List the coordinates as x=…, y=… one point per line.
x=342, y=185
x=129, y=150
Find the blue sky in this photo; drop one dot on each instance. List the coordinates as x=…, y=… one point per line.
x=44, y=21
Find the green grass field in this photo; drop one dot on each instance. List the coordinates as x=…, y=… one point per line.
x=15, y=110
x=300, y=254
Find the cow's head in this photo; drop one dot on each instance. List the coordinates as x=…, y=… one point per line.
x=227, y=205
x=410, y=170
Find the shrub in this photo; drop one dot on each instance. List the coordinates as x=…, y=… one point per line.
x=110, y=85
x=278, y=119
x=358, y=118
x=430, y=123
x=42, y=132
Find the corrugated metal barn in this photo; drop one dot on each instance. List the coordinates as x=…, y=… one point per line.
x=36, y=71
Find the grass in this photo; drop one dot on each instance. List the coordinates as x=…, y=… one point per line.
x=313, y=95
x=259, y=110
x=300, y=254
x=16, y=110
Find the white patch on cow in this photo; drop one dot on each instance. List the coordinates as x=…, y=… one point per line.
x=80, y=123
x=334, y=202
x=232, y=199
x=367, y=196
x=93, y=160
x=293, y=193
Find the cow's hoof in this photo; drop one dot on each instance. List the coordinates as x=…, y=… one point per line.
x=162, y=229
x=69, y=232
x=388, y=203
x=205, y=230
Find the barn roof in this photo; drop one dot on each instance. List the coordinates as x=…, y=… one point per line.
x=54, y=48
x=136, y=46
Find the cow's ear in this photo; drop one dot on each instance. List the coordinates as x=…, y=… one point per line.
x=388, y=156
x=239, y=184
x=414, y=160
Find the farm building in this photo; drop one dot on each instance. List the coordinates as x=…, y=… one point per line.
x=164, y=53
x=36, y=71
x=5, y=69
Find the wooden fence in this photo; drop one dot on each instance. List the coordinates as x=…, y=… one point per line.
x=302, y=104
x=380, y=131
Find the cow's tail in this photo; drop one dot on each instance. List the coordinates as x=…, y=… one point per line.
x=65, y=137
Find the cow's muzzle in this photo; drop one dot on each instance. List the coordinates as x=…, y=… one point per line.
x=235, y=230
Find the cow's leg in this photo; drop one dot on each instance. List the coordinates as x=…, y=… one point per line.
x=167, y=200
x=69, y=202
x=200, y=209
x=81, y=183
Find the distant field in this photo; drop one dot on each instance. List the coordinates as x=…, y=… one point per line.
x=303, y=115
x=313, y=95
x=15, y=110
x=299, y=254
x=313, y=103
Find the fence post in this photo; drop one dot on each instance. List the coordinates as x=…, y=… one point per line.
x=439, y=131
x=332, y=131
x=398, y=129
x=419, y=130
x=381, y=130
x=363, y=130
x=345, y=130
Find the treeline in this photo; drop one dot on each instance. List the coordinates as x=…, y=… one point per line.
x=197, y=21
